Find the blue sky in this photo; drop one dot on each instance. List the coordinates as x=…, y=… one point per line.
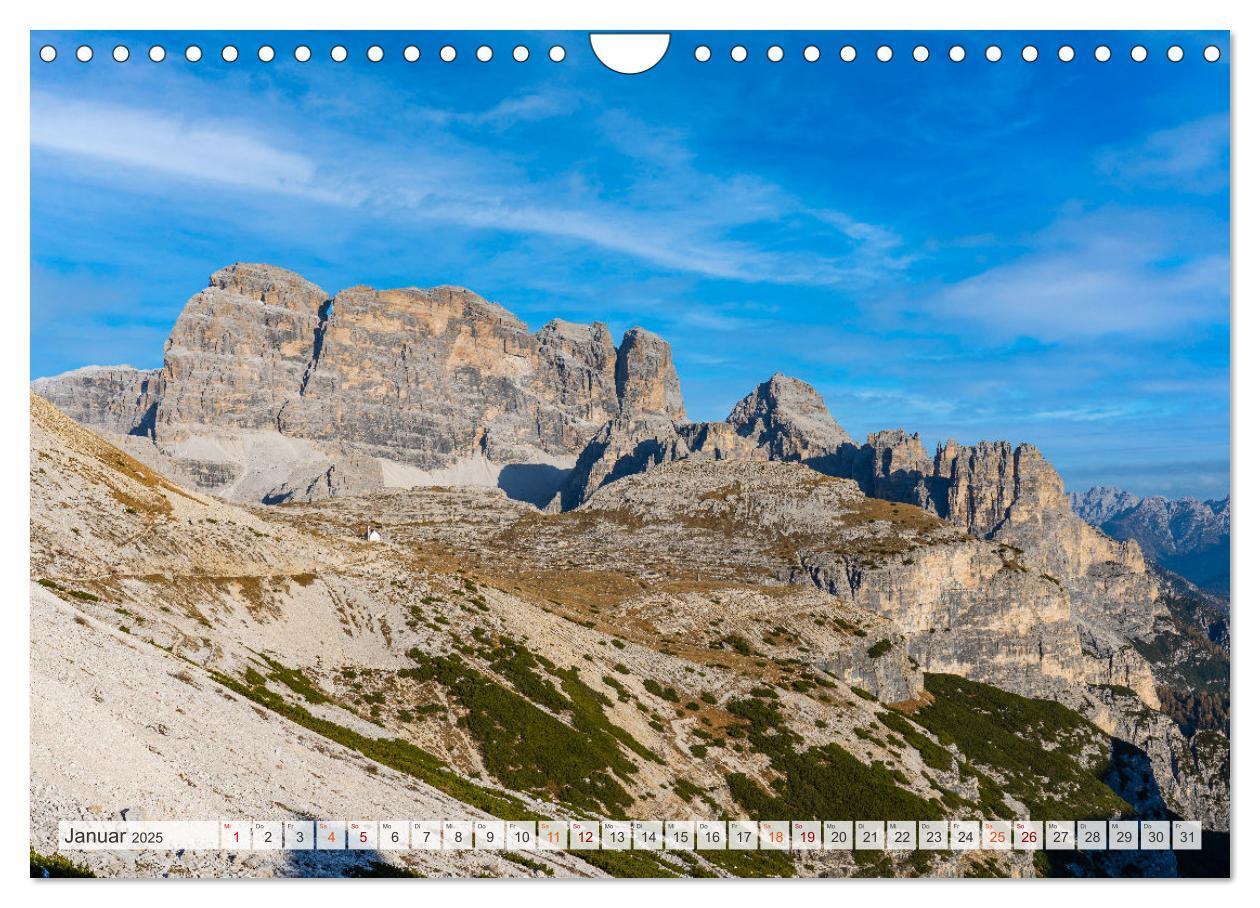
x=1029, y=251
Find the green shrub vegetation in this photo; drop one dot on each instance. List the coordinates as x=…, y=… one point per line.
x=392, y=752
x=878, y=649
x=1036, y=746
x=687, y=790
x=818, y=782
x=525, y=744
x=932, y=753
x=652, y=686
x=74, y=594
x=751, y=863
x=628, y=864
x=44, y=866
x=381, y=870
x=738, y=643
x=296, y=681
x=527, y=863
x=622, y=693
x=588, y=705
x=1186, y=658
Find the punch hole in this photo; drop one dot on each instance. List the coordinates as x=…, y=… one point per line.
x=739, y=53
x=229, y=54
x=375, y=53
x=628, y=54
x=811, y=54
x=485, y=53
x=266, y=53
x=557, y=54
x=1102, y=53
x=1067, y=53
x=1211, y=53
x=848, y=53
x=121, y=54
x=1138, y=54
x=302, y=53
x=157, y=53
x=958, y=53
x=192, y=53
x=884, y=53
x=1175, y=54
x=48, y=53
x=703, y=54
x=774, y=53
x=921, y=54
x=520, y=53
x=83, y=54
x=993, y=53
x=1030, y=54
x=411, y=53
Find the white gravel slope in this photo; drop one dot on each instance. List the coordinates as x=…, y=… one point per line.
x=126, y=731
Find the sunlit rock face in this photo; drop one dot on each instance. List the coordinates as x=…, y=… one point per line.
x=272, y=390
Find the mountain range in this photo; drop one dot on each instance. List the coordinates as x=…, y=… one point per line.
x=272, y=390
x=1185, y=535
x=581, y=603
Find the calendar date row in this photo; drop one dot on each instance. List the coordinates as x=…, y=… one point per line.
x=625, y=835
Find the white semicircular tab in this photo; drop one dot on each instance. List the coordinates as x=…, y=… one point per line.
x=629, y=53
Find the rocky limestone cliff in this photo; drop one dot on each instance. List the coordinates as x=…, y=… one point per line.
x=627, y=446
x=782, y=419
x=118, y=399
x=979, y=487
x=646, y=380
x=992, y=490
x=239, y=352
x=967, y=606
x=786, y=419
x=1081, y=598
x=989, y=481
x=892, y=465
x=272, y=391
x=1191, y=775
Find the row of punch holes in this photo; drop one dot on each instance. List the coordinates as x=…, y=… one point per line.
x=703, y=53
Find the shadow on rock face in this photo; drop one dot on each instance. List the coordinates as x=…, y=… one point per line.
x=343, y=863
x=536, y=483
x=1129, y=774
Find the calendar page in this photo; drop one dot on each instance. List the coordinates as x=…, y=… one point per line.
x=683, y=454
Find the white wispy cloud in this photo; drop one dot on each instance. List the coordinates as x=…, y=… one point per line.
x=530, y=107
x=1192, y=157
x=1090, y=275
x=181, y=146
x=1099, y=413
x=671, y=213
x=899, y=401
